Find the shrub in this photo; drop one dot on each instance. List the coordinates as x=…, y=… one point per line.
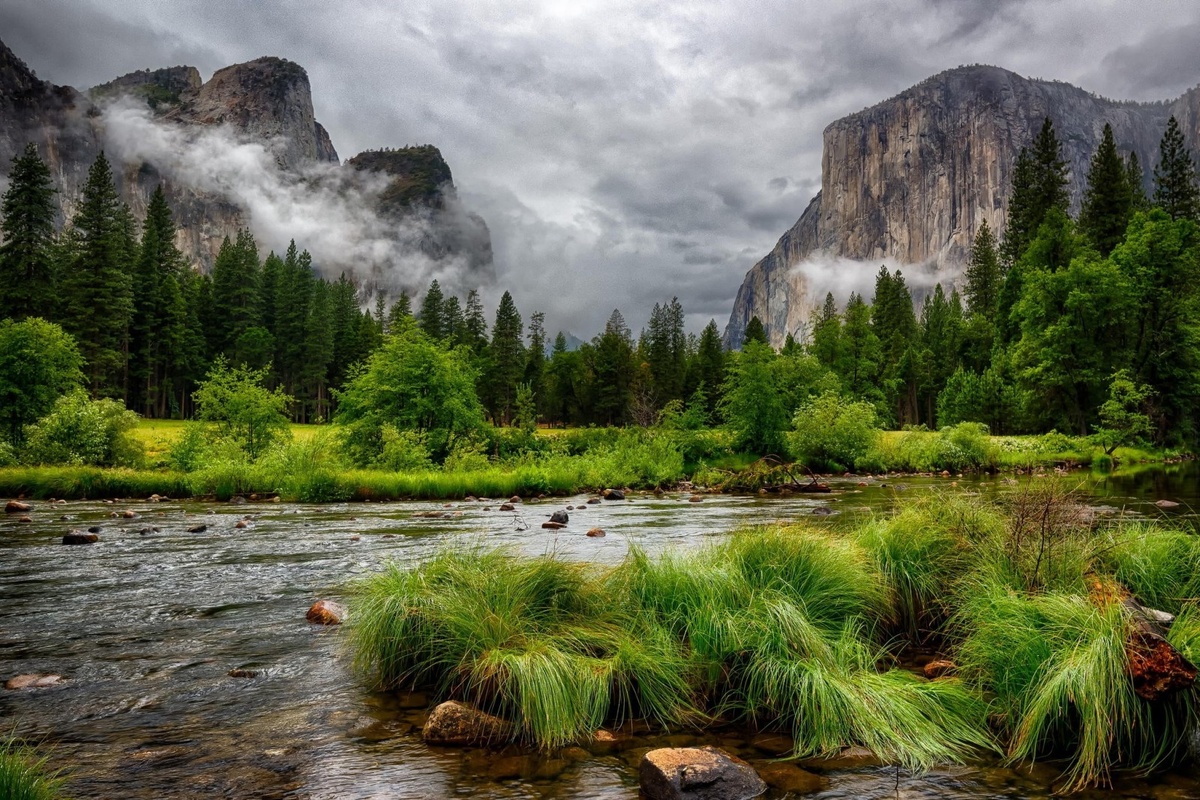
x=188, y=453
x=244, y=410
x=403, y=451
x=80, y=431
x=23, y=776
x=832, y=432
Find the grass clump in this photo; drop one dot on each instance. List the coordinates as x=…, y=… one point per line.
x=24, y=776
x=532, y=640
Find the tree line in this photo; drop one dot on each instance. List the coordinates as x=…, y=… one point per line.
x=1057, y=317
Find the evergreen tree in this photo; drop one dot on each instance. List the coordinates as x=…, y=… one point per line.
x=159, y=322
x=1175, y=189
x=97, y=289
x=507, y=365
x=399, y=314
x=613, y=365
x=941, y=340
x=755, y=332
x=236, y=296
x=827, y=333
x=1039, y=185
x=860, y=352
x=27, y=223
x=535, y=362
x=710, y=364
x=1108, y=200
x=292, y=296
x=1136, y=181
x=454, y=328
x=347, y=339
x=983, y=274
x=432, y=320
x=314, y=405
x=475, y=323
x=561, y=372
x=268, y=287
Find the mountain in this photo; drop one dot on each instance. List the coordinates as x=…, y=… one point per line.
x=911, y=179
x=159, y=126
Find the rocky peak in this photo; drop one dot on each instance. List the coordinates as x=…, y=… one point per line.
x=17, y=80
x=418, y=176
x=268, y=99
x=912, y=178
x=161, y=88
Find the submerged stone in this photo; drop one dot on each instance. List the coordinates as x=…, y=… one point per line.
x=459, y=725
x=326, y=612
x=697, y=773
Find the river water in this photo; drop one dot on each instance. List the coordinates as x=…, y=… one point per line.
x=146, y=625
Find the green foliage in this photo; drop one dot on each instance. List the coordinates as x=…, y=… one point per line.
x=983, y=274
x=244, y=410
x=1108, y=199
x=751, y=402
x=1175, y=189
x=755, y=332
x=833, y=432
x=965, y=446
x=403, y=450
x=27, y=221
x=1121, y=416
x=39, y=363
x=80, y=431
x=24, y=776
x=410, y=383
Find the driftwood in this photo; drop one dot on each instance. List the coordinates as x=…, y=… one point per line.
x=771, y=474
x=1156, y=668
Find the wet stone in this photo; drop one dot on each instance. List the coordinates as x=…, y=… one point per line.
x=456, y=724
x=16, y=507
x=77, y=537
x=326, y=612
x=697, y=773
x=790, y=778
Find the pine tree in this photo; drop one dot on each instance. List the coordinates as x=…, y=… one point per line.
x=292, y=296
x=475, y=323
x=860, y=352
x=318, y=355
x=755, y=332
x=454, y=330
x=1136, y=181
x=236, y=292
x=268, y=286
x=562, y=404
x=827, y=333
x=1039, y=185
x=535, y=361
x=97, y=290
x=1108, y=200
x=710, y=364
x=983, y=274
x=1175, y=189
x=158, y=326
x=507, y=365
x=26, y=255
x=400, y=314
x=613, y=367
x=432, y=319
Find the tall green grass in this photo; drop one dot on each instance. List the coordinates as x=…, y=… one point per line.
x=24, y=776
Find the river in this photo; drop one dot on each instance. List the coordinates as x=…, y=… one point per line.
x=146, y=625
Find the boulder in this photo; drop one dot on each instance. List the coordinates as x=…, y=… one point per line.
x=326, y=612
x=16, y=507
x=242, y=524
x=458, y=725
x=80, y=537
x=553, y=526
x=593, y=501
x=695, y=499
x=243, y=673
x=1167, y=504
x=822, y=511
x=697, y=773
x=791, y=779
x=26, y=519
x=514, y=499
x=507, y=507
x=937, y=669
x=613, y=494
x=596, y=532
x=560, y=517
x=197, y=529
x=94, y=529
x=129, y=513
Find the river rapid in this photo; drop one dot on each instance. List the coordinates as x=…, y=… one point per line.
x=146, y=625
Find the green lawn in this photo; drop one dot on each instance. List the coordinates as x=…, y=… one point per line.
x=159, y=434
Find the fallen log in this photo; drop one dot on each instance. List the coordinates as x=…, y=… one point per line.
x=1155, y=667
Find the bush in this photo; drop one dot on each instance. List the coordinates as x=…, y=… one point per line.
x=23, y=776
x=403, y=451
x=244, y=410
x=79, y=431
x=189, y=452
x=832, y=432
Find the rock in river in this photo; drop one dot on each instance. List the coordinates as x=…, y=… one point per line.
x=80, y=537
x=560, y=517
x=456, y=724
x=16, y=507
x=596, y=532
x=613, y=494
x=697, y=773
x=32, y=681
x=326, y=612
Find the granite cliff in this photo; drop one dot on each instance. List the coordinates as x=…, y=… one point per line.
x=911, y=179
x=267, y=104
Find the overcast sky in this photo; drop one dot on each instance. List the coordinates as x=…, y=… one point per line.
x=621, y=152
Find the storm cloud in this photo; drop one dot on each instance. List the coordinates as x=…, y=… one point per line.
x=621, y=152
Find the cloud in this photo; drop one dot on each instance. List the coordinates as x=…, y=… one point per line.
x=621, y=152
x=824, y=273
x=327, y=209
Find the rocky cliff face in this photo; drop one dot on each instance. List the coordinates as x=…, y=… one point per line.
x=267, y=103
x=911, y=179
